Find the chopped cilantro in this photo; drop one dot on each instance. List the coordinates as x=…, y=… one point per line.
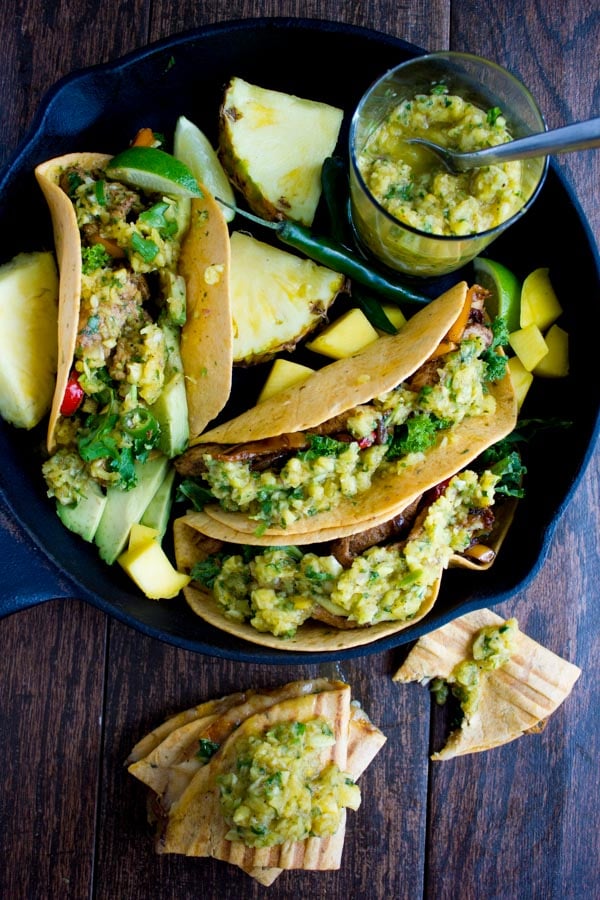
x=415, y=435
x=145, y=248
x=206, y=571
x=440, y=88
x=321, y=445
x=496, y=362
x=191, y=491
x=400, y=192
x=206, y=749
x=94, y=257
x=493, y=114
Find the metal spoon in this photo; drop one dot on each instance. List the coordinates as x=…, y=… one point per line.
x=579, y=136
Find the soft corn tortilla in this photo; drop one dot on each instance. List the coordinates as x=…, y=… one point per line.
x=166, y=761
x=67, y=242
x=514, y=699
x=206, y=338
x=340, y=386
x=197, y=536
x=349, y=382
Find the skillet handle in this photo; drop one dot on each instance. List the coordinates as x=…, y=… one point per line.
x=28, y=577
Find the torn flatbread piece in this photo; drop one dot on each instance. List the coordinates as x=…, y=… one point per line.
x=499, y=704
x=319, y=711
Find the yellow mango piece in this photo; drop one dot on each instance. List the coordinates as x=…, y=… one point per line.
x=351, y=332
x=556, y=362
x=539, y=304
x=394, y=314
x=529, y=345
x=141, y=534
x=149, y=566
x=284, y=374
x=521, y=379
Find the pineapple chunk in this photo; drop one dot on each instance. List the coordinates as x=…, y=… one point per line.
x=521, y=379
x=283, y=374
x=539, y=304
x=148, y=565
x=141, y=534
x=28, y=337
x=276, y=298
x=529, y=345
x=272, y=145
x=350, y=333
x=556, y=362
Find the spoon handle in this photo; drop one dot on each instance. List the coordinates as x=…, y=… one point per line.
x=579, y=136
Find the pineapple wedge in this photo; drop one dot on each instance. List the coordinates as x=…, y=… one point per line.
x=272, y=145
x=276, y=298
x=28, y=337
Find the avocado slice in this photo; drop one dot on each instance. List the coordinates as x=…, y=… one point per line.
x=123, y=508
x=171, y=410
x=85, y=517
x=158, y=511
x=171, y=413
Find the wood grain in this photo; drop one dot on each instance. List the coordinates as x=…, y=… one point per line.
x=78, y=690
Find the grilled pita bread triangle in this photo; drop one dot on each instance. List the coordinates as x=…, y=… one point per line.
x=514, y=698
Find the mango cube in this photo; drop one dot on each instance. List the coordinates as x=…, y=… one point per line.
x=529, y=345
x=283, y=374
x=141, y=534
x=350, y=333
x=556, y=362
x=521, y=379
x=539, y=304
x=148, y=565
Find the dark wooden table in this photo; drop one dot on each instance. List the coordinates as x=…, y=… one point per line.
x=78, y=689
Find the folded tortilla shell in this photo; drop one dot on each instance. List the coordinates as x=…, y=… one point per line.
x=349, y=382
x=68, y=255
x=192, y=546
x=196, y=826
x=514, y=699
x=207, y=336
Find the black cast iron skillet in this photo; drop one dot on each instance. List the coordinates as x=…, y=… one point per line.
x=99, y=109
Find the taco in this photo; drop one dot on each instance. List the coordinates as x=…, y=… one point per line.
x=143, y=298
x=362, y=437
x=313, y=591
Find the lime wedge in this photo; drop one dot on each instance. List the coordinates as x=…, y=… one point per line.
x=505, y=288
x=154, y=171
x=193, y=148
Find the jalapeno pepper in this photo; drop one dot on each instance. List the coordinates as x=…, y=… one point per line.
x=140, y=424
x=73, y=396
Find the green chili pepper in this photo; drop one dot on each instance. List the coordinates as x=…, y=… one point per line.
x=140, y=424
x=330, y=253
x=334, y=181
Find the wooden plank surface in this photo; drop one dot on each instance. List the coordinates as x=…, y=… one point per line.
x=78, y=689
